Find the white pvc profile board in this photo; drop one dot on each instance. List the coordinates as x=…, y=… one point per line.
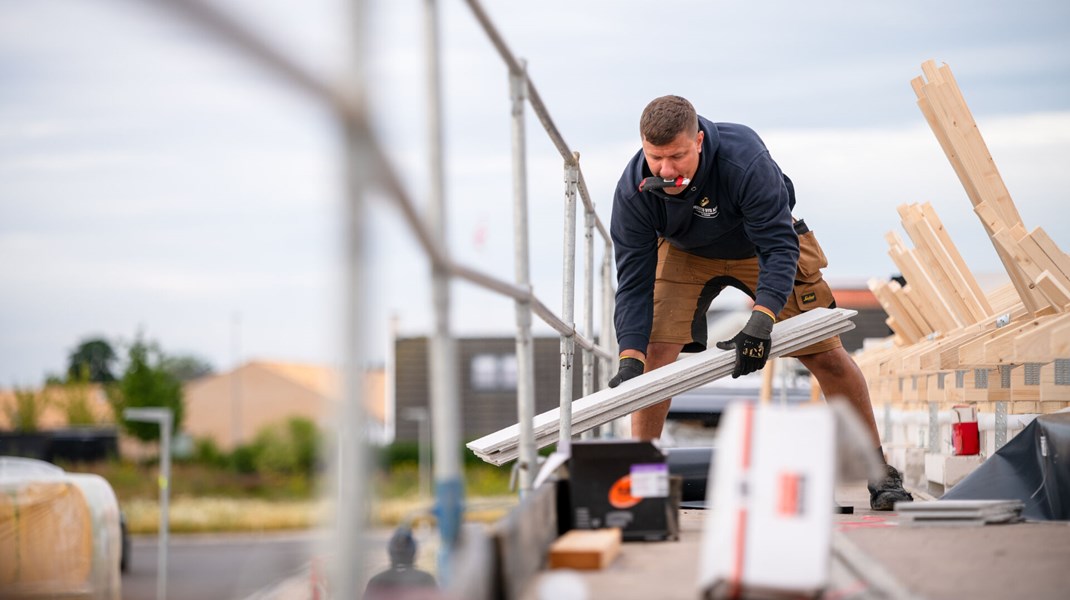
x=698, y=369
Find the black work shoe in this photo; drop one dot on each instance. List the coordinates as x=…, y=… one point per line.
x=883, y=494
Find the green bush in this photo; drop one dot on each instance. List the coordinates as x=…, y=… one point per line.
x=207, y=452
x=243, y=459
x=25, y=414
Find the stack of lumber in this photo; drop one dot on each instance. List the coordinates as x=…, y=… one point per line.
x=650, y=388
x=952, y=343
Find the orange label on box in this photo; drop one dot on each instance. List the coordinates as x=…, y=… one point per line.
x=790, y=494
x=620, y=493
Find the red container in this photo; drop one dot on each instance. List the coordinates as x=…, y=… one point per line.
x=964, y=438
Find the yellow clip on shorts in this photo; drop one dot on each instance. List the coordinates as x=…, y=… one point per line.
x=685, y=285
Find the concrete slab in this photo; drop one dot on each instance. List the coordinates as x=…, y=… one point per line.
x=875, y=557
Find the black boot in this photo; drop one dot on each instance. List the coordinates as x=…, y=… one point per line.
x=883, y=494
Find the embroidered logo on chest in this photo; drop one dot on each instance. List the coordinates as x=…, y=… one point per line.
x=703, y=210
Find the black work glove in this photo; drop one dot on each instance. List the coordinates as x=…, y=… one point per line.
x=629, y=368
x=751, y=344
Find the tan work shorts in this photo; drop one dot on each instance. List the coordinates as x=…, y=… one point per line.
x=685, y=285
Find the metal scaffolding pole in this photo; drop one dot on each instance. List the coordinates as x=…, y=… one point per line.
x=608, y=339
x=568, y=307
x=347, y=564
x=525, y=355
x=588, y=295
x=445, y=407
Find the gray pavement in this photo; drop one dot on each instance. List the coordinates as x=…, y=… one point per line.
x=217, y=566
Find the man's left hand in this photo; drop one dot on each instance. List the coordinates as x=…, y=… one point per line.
x=751, y=344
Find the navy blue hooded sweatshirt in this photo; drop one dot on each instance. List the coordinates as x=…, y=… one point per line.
x=747, y=213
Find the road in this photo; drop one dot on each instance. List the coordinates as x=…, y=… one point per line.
x=217, y=566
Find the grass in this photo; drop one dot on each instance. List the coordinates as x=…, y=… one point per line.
x=212, y=499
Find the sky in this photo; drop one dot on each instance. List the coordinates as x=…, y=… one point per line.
x=155, y=182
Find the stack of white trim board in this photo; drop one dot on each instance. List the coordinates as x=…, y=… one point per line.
x=698, y=369
x=959, y=512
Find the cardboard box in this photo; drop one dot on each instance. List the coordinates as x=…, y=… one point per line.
x=769, y=523
x=621, y=483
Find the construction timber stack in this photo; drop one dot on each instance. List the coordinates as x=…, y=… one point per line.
x=1007, y=353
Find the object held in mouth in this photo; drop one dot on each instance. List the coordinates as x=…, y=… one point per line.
x=657, y=183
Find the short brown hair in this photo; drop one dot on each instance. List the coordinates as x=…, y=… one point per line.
x=665, y=118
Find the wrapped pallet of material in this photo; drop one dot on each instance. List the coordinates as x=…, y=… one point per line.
x=59, y=533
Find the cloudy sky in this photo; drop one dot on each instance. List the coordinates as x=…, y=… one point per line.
x=152, y=180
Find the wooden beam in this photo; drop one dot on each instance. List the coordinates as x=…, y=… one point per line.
x=966, y=284
x=899, y=319
x=1044, y=344
x=936, y=309
x=1021, y=269
x=1054, y=253
x=589, y=549
x=1053, y=290
x=962, y=132
x=929, y=257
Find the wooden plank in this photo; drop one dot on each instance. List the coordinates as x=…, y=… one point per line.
x=589, y=549
x=1040, y=258
x=1040, y=345
x=945, y=109
x=931, y=236
x=997, y=348
x=1004, y=299
x=1021, y=389
x=1052, y=250
x=1060, y=340
x=899, y=319
x=1027, y=295
x=937, y=311
x=909, y=300
x=964, y=135
x=1053, y=290
x=1021, y=269
x=929, y=258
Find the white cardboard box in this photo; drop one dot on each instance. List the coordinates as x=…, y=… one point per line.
x=769, y=524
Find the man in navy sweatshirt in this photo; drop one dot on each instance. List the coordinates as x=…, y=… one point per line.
x=718, y=214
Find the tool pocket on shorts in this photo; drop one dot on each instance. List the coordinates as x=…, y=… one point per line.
x=811, y=257
x=812, y=295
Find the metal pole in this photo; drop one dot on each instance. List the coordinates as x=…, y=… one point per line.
x=346, y=570
x=164, y=418
x=609, y=338
x=445, y=407
x=165, y=504
x=588, y=295
x=421, y=416
x=525, y=361
x=568, y=309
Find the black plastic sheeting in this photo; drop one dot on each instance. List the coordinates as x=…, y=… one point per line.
x=1033, y=467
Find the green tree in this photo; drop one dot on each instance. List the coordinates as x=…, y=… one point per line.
x=76, y=401
x=187, y=367
x=25, y=414
x=146, y=383
x=97, y=356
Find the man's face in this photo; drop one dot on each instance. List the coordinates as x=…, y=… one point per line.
x=675, y=159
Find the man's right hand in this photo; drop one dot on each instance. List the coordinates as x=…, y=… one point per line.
x=629, y=368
